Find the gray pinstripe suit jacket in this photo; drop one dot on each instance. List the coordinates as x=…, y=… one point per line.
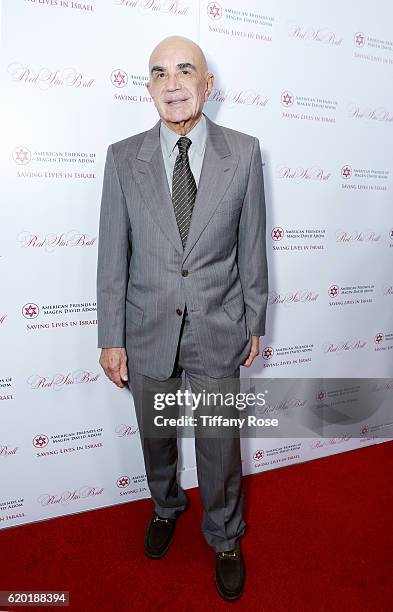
x=145, y=277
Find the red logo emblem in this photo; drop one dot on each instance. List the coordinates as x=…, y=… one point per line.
x=268, y=352
x=21, y=155
x=119, y=78
x=346, y=172
x=287, y=98
x=40, y=441
x=359, y=39
x=277, y=233
x=30, y=311
x=214, y=10
x=123, y=482
x=333, y=291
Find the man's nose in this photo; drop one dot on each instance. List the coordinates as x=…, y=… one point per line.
x=173, y=82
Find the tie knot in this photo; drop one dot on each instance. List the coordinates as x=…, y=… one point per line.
x=183, y=143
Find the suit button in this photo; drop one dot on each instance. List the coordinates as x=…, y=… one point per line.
x=179, y=311
x=184, y=272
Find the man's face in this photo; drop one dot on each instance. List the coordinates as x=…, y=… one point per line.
x=179, y=84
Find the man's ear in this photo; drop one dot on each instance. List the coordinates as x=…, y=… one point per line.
x=210, y=81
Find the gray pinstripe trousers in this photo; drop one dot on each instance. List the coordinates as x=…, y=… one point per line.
x=219, y=467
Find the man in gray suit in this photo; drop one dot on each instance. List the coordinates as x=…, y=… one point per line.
x=182, y=285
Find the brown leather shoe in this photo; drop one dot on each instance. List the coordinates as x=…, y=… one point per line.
x=158, y=535
x=230, y=573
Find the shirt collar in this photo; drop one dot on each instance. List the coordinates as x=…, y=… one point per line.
x=197, y=135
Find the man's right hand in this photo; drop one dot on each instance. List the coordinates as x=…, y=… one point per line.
x=114, y=363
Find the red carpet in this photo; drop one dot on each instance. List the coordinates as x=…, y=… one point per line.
x=319, y=537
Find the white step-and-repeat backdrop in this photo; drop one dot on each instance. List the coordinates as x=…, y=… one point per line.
x=314, y=82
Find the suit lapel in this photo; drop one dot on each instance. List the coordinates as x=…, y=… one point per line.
x=218, y=168
x=151, y=176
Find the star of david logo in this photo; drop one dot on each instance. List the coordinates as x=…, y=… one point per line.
x=214, y=10
x=258, y=455
x=119, y=78
x=379, y=338
x=21, y=155
x=268, y=352
x=321, y=395
x=123, y=482
x=334, y=291
x=277, y=233
x=359, y=39
x=30, y=311
x=40, y=441
x=287, y=98
x=346, y=172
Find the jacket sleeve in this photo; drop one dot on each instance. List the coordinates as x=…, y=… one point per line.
x=114, y=251
x=252, y=259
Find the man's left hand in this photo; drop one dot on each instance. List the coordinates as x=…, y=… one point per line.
x=253, y=353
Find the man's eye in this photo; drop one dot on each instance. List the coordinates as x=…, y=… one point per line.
x=185, y=71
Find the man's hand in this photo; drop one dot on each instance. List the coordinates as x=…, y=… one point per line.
x=114, y=363
x=253, y=353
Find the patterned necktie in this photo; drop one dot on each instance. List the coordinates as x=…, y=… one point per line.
x=183, y=189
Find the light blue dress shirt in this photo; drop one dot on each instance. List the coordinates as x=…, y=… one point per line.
x=196, y=151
